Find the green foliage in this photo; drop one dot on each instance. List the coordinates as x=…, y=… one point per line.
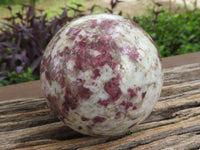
x=13, y=2
x=73, y=3
x=173, y=33
x=131, y=132
x=16, y=2
x=14, y=77
x=74, y=7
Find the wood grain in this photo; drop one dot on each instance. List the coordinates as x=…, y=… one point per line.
x=27, y=124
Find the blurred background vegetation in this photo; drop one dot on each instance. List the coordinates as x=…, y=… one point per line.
x=26, y=27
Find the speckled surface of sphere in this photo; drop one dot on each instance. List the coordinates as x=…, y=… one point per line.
x=101, y=75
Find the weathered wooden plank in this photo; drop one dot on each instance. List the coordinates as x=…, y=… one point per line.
x=68, y=144
x=191, y=143
x=173, y=124
x=26, y=144
x=173, y=142
x=180, y=115
x=53, y=131
x=175, y=117
x=14, y=125
x=176, y=90
x=182, y=74
x=40, y=117
x=20, y=106
x=148, y=136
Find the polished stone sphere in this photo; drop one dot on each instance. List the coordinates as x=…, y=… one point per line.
x=101, y=75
